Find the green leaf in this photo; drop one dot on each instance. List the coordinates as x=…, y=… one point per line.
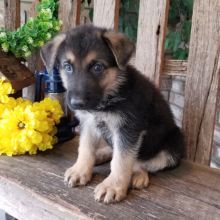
x=91, y=14
x=177, y=41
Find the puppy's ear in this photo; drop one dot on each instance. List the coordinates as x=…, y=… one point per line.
x=49, y=51
x=121, y=46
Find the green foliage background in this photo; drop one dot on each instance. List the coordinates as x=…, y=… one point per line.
x=179, y=28
x=33, y=34
x=179, y=24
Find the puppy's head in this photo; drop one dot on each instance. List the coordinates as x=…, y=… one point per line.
x=91, y=62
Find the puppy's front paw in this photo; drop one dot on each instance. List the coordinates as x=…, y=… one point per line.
x=77, y=176
x=139, y=179
x=110, y=191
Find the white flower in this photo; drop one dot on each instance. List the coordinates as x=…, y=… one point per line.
x=47, y=13
x=27, y=53
x=3, y=36
x=25, y=48
x=40, y=43
x=48, y=36
x=5, y=47
x=31, y=19
x=50, y=25
x=30, y=40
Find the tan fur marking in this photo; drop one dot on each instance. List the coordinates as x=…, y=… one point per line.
x=140, y=178
x=89, y=57
x=115, y=37
x=64, y=78
x=103, y=153
x=114, y=187
x=121, y=46
x=70, y=56
x=160, y=161
x=109, y=80
x=81, y=172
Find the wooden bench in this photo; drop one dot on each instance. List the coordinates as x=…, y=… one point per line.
x=31, y=187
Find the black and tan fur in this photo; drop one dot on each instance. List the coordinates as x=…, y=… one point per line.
x=115, y=102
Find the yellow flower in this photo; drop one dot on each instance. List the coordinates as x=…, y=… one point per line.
x=8, y=102
x=23, y=102
x=26, y=126
x=2, y=110
x=51, y=108
x=5, y=87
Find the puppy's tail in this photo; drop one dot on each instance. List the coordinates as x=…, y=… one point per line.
x=172, y=152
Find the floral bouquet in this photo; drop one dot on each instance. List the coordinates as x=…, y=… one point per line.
x=34, y=33
x=26, y=126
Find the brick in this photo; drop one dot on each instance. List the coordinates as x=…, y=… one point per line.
x=177, y=112
x=166, y=83
x=178, y=123
x=218, y=116
x=178, y=86
x=181, y=78
x=217, y=136
x=177, y=99
x=215, y=160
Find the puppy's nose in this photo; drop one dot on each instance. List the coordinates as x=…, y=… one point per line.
x=77, y=103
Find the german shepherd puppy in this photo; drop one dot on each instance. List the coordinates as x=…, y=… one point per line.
x=116, y=102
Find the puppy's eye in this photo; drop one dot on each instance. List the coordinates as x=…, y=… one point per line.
x=68, y=68
x=97, y=68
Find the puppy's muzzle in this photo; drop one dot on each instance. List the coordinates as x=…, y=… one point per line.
x=75, y=102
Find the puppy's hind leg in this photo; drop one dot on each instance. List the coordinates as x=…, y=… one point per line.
x=140, y=178
x=161, y=161
x=103, y=153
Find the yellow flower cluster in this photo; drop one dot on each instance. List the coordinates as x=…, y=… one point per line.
x=26, y=126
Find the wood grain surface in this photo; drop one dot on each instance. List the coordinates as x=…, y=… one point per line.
x=31, y=187
x=69, y=13
x=12, y=14
x=174, y=67
x=106, y=13
x=152, y=23
x=202, y=81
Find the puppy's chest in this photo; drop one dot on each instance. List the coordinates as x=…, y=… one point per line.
x=107, y=127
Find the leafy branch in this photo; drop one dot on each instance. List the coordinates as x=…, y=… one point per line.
x=35, y=33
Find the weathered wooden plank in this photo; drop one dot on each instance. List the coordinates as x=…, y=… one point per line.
x=174, y=67
x=69, y=13
x=35, y=185
x=152, y=25
x=34, y=62
x=202, y=80
x=106, y=13
x=12, y=14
